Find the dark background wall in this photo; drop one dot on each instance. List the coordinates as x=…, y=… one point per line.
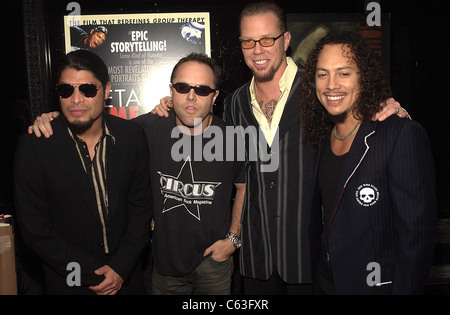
x=418, y=67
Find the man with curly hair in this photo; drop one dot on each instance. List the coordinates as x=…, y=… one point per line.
x=373, y=224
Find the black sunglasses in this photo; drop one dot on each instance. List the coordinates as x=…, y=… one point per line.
x=201, y=90
x=65, y=90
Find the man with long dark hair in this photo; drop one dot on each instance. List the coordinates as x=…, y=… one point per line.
x=374, y=220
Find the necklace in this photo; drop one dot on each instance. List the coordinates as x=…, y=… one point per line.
x=350, y=133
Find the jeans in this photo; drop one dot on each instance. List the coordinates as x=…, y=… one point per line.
x=209, y=278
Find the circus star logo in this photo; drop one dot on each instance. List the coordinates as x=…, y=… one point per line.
x=183, y=191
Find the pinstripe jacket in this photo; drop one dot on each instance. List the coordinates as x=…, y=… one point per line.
x=275, y=220
x=382, y=233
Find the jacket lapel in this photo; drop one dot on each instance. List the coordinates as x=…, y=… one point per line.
x=245, y=106
x=114, y=167
x=291, y=110
x=71, y=166
x=359, y=149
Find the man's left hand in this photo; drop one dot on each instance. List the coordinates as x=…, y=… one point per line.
x=391, y=107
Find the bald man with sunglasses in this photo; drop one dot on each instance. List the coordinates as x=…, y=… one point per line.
x=197, y=224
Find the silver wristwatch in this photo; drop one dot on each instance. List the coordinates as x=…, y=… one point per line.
x=235, y=240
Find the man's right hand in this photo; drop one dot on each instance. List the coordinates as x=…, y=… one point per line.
x=42, y=125
x=165, y=104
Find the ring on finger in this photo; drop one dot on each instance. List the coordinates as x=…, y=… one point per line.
x=398, y=110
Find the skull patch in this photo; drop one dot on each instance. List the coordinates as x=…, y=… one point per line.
x=367, y=195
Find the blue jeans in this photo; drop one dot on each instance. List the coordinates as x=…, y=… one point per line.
x=209, y=278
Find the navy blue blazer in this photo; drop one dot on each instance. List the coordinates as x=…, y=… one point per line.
x=385, y=211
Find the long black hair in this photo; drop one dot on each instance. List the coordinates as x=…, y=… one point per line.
x=374, y=88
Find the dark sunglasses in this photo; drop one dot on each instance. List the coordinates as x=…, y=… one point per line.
x=265, y=42
x=201, y=90
x=65, y=90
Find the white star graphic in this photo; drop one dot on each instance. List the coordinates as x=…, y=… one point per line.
x=193, y=210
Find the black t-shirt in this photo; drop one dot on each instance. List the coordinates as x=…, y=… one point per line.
x=329, y=171
x=192, y=196
x=330, y=168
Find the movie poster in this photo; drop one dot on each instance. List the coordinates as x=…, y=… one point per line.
x=307, y=29
x=140, y=51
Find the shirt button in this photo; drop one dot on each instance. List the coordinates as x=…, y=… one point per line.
x=272, y=185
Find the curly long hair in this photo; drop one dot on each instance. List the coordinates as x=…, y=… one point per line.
x=374, y=88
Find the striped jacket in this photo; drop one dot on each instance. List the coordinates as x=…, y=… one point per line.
x=275, y=217
x=382, y=234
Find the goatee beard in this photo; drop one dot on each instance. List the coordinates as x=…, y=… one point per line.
x=338, y=119
x=78, y=127
x=264, y=77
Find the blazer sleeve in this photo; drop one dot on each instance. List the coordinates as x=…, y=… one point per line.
x=34, y=216
x=412, y=187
